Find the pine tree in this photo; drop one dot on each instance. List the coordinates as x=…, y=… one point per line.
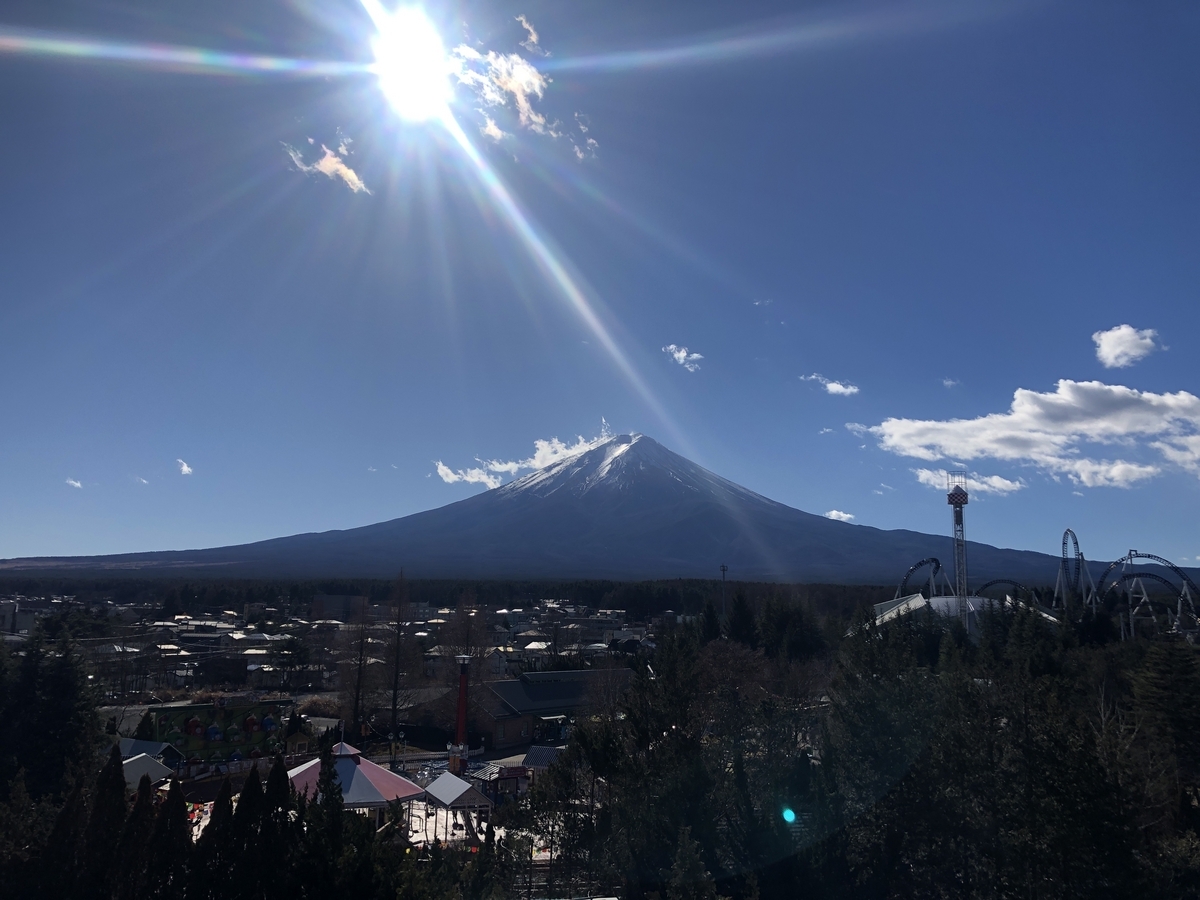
x=105, y=826
x=276, y=832
x=688, y=879
x=741, y=622
x=60, y=862
x=145, y=728
x=710, y=623
x=170, y=848
x=129, y=868
x=212, y=864
x=247, y=828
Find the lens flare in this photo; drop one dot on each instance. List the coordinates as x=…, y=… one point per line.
x=167, y=56
x=411, y=63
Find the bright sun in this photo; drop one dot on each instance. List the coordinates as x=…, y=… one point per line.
x=411, y=63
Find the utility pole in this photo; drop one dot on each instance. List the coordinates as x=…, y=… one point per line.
x=401, y=588
x=724, y=569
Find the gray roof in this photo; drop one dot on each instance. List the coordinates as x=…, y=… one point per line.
x=450, y=791
x=552, y=693
x=541, y=757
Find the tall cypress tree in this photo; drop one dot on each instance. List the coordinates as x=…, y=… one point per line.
x=741, y=622
x=212, y=862
x=247, y=824
x=275, y=835
x=170, y=848
x=129, y=868
x=104, y=828
x=59, y=869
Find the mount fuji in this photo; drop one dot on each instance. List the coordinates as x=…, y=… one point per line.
x=626, y=508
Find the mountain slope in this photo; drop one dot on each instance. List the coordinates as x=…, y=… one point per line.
x=627, y=508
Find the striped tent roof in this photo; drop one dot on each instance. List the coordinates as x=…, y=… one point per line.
x=364, y=784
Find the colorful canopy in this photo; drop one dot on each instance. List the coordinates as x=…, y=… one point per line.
x=364, y=784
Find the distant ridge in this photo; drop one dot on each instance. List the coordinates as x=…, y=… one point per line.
x=628, y=508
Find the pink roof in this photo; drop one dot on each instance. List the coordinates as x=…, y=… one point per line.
x=364, y=784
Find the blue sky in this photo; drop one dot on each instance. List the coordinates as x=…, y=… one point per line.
x=824, y=250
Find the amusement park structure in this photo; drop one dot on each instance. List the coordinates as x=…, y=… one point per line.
x=1074, y=588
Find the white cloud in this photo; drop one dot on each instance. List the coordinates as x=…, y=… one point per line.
x=949, y=382
x=976, y=483
x=839, y=515
x=497, y=78
x=372, y=469
x=140, y=479
x=75, y=484
x=763, y=302
x=492, y=130
x=1051, y=431
x=545, y=453
x=470, y=476
x=330, y=165
x=184, y=468
x=690, y=361
x=825, y=431
x=531, y=43
x=1124, y=345
x=838, y=388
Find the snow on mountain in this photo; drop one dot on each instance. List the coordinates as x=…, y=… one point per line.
x=624, y=508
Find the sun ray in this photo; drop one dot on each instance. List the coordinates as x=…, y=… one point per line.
x=781, y=37
x=168, y=56
x=547, y=260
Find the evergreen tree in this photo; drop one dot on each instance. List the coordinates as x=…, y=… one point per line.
x=688, y=879
x=129, y=868
x=741, y=622
x=170, y=848
x=276, y=835
x=710, y=623
x=145, y=728
x=59, y=870
x=104, y=828
x=247, y=827
x=213, y=862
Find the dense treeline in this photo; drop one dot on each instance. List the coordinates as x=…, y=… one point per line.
x=639, y=599
x=764, y=755
x=1024, y=765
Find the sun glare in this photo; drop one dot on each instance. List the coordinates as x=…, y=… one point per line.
x=411, y=62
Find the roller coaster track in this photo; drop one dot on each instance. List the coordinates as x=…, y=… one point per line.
x=901, y=591
x=1072, y=579
x=1133, y=554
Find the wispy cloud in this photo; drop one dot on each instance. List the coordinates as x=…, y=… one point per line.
x=470, y=476
x=75, y=484
x=545, y=453
x=1124, y=345
x=839, y=516
x=372, y=469
x=330, y=165
x=976, y=483
x=140, y=480
x=690, y=361
x=531, y=42
x=492, y=130
x=949, y=382
x=184, y=468
x=838, y=388
x=500, y=78
x=825, y=431
x=1064, y=432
